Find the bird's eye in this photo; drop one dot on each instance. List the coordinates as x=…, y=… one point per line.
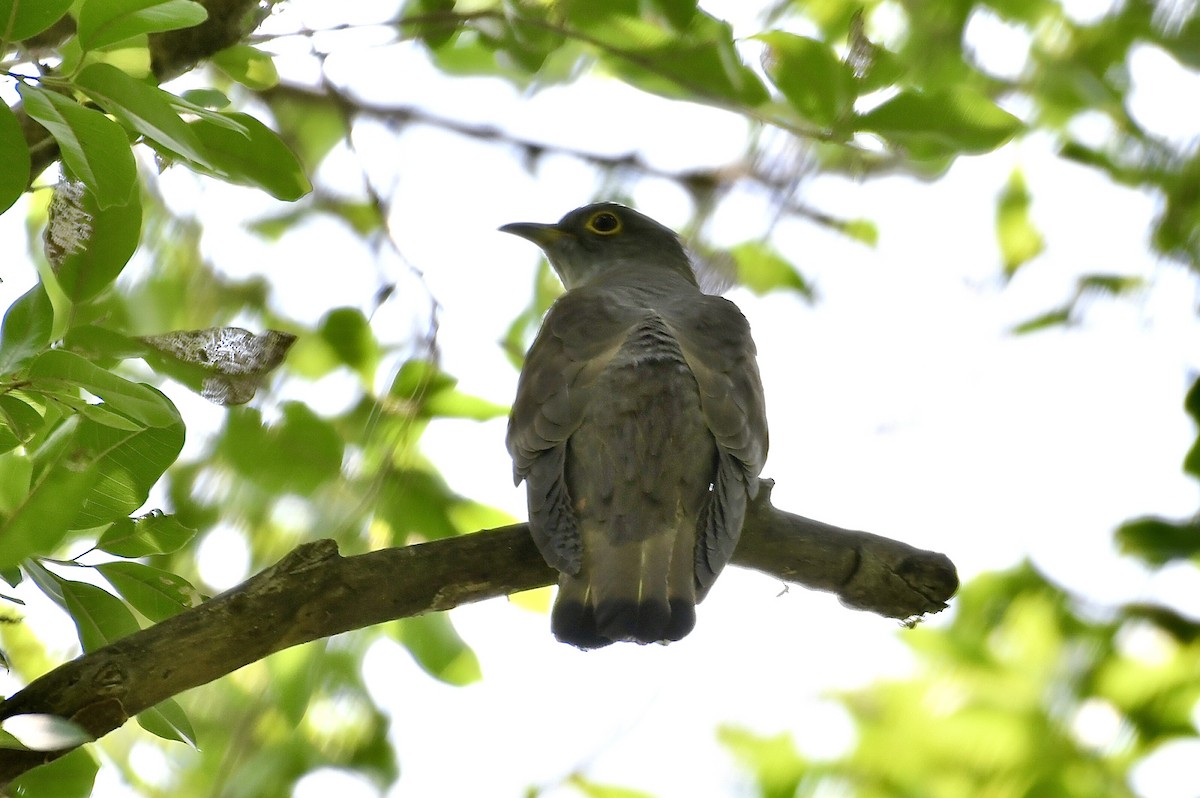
x=604, y=223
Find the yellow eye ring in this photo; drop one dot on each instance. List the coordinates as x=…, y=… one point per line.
x=605, y=223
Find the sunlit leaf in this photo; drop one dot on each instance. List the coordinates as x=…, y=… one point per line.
x=94, y=148
x=143, y=108
x=438, y=649
x=95, y=343
x=1020, y=241
x=1059, y=317
x=433, y=394
x=105, y=22
x=153, y=592
x=99, y=616
x=297, y=454
x=248, y=65
x=774, y=762
x=14, y=156
x=1110, y=284
x=26, y=328
x=349, y=335
x=417, y=504
x=700, y=63
x=593, y=789
x=19, y=417
x=16, y=473
x=43, y=516
x=70, y=776
x=131, y=462
x=678, y=12
x=817, y=84
x=206, y=98
x=762, y=270
x=155, y=533
x=168, y=720
x=941, y=123
x=138, y=401
x=257, y=158
x=863, y=230
x=21, y=19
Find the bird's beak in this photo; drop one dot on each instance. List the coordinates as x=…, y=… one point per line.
x=543, y=235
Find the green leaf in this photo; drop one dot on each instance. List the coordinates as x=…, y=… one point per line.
x=143, y=108
x=298, y=454
x=593, y=789
x=94, y=148
x=817, y=84
x=41, y=519
x=40, y=732
x=14, y=158
x=941, y=123
x=105, y=22
x=776, y=765
x=100, y=617
x=456, y=404
x=701, y=63
x=678, y=12
x=16, y=473
x=21, y=19
x=762, y=269
x=93, y=343
x=1109, y=284
x=1191, y=402
x=131, y=462
x=140, y=537
x=155, y=593
x=1019, y=240
x=206, y=98
x=417, y=503
x=26, y=328
x=70, y=776
x=1159, y=541
x=438, y=649
x=248, y=65
x=1059, y=317
x=136, y=400
x=434, y=395
x=168, y=720
x=349, y=334
x=85, y=270
x=258, y=158
x=19, y=420
x=863, y=230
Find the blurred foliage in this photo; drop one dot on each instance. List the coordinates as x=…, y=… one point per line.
x=86, y=439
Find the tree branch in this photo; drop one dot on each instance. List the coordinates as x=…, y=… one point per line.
x=314, y=592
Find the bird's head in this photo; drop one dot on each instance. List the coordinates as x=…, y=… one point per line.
x=603, y=238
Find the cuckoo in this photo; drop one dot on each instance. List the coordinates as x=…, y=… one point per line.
x=638, y=428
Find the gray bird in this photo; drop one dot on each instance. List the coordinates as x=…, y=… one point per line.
x=638, y=427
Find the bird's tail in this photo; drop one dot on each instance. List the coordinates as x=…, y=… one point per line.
x=641, y=591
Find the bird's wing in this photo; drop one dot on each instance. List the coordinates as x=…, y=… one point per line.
x=715, y=339
x=580, y=334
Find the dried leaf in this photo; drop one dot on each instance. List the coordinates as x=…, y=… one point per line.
x=234, y=361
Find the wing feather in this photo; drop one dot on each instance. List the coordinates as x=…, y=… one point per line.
x=715, y=339
x=580, y=334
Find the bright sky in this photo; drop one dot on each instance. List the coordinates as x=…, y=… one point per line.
x=898, y=404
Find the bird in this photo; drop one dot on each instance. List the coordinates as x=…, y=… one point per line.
x=638, y=427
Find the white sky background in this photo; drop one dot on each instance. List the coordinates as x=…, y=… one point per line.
x=898, y=404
